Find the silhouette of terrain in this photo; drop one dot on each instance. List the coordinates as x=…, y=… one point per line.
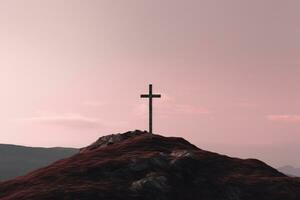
x=136, y=165
x=19, y=160
x=290, y=170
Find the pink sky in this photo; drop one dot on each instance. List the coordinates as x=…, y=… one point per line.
x=228, y=72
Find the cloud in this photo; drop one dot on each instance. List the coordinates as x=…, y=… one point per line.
x=284, y=118
x=67, y=120
x=167, y=106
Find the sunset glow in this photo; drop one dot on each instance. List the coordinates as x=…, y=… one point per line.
x=228, y=72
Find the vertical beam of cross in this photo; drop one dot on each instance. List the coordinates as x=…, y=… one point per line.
x=150, y=96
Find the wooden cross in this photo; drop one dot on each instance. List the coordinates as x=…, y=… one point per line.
x=150, y=96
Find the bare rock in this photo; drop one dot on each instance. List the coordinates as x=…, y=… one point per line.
x=107, y=140
x=152, y=181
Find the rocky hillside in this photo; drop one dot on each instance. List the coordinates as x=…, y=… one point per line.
x=136, y=165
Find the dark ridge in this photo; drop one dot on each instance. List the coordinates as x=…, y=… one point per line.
x=18, y=160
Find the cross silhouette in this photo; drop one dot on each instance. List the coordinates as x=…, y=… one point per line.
x=150, y=96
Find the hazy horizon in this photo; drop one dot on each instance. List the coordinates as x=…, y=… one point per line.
x=228, y=72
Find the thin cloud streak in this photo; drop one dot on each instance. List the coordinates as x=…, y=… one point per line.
x=67, y=120
x=167, y=106
x=284, y=118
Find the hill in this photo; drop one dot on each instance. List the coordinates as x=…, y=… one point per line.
x=19, y=160
x=136, y=165
x=290, y=170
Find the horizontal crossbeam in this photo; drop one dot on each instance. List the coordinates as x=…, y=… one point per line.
x=152, y=96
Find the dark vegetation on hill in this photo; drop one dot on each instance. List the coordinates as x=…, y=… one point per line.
x=140, y=166
x=19, y=160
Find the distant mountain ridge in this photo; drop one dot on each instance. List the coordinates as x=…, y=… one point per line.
x=18, y=160
x=290, y=170
x=137, y=165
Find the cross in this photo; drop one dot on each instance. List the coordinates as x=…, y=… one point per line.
x=150, y=96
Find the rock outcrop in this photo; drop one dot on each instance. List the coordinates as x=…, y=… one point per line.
x=107, y=140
